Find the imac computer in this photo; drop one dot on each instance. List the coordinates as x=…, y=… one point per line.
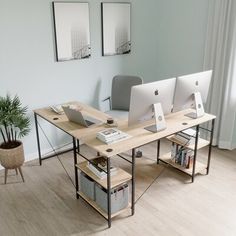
x=151, y=100
x=191, y=92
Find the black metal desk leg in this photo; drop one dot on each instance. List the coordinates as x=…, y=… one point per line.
x=133, y=182
x=37, y=136
x=195, y=153
x=76, y=170
x=158, y=150
x=78, y=146
x=210, y=146
x=108, y=192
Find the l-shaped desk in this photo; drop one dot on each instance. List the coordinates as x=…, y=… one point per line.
x=175, y=122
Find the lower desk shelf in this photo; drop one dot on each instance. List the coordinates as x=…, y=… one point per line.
x=199, y=167
x=201, y=142
x=119, y=178
x=97, y=208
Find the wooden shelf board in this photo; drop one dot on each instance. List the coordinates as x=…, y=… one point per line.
x=198, y=168
x=119, y=178
x=102, y=212
x=201, y=142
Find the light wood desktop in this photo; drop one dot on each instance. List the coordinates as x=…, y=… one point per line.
x=62, y=122
x=175, y=122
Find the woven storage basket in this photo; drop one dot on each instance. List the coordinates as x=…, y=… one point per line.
x=12, y=158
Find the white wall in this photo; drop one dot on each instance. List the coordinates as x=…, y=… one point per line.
x=167, y=39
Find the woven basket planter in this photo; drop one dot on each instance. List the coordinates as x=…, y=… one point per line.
x=12, y=158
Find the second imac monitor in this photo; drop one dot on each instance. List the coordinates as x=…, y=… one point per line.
x=143, y=98
x=191, y=92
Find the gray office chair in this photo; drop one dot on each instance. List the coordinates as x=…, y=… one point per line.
x=120, y=95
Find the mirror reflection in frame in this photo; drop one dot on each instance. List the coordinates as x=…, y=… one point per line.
x=115, y=28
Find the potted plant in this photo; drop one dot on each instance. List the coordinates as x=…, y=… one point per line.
x=14, y=124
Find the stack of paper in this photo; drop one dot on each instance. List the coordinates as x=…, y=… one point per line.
x=112, y=135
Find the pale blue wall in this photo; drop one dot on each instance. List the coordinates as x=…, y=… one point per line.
x=28, y=67
x=167, y=40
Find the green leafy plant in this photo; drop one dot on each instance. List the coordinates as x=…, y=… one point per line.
x=14, y=123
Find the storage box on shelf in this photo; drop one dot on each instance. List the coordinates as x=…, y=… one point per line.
x=96, y=195
x=87, y=186
x=119, y=198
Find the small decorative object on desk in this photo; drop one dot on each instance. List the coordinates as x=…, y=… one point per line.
x=114, y=124
x=112, y=135
x=57, y=108
x=73, y=107
x=99, y=167
x=110, y=120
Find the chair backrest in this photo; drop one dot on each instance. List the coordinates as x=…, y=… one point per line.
x=121, y=90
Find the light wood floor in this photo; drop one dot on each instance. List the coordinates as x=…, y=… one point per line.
x=46, y=205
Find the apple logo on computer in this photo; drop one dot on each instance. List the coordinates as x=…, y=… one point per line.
x=196, y=83
x=156, y=92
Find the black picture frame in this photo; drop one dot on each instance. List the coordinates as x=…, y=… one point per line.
x=116, y=32
x=72, y=30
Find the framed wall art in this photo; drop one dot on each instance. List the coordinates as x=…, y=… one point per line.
x=115, y=28
x=72, y=34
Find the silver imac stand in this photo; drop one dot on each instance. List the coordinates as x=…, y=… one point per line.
x=198, y=105
x=160, y=123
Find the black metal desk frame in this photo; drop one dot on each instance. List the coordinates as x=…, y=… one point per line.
x=211, y=131
x=76, y=150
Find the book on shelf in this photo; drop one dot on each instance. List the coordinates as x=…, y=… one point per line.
x=183, y=140
x=181, y=156
x=112, y=135
x=189, y=132
x=186, y=137
x=99, y=167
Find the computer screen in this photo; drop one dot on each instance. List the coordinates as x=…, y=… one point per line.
x=187, y=85
x=144, y=96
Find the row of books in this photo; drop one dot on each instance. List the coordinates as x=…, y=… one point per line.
x=112, y=135
x=182, y=156
x=99, y=167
